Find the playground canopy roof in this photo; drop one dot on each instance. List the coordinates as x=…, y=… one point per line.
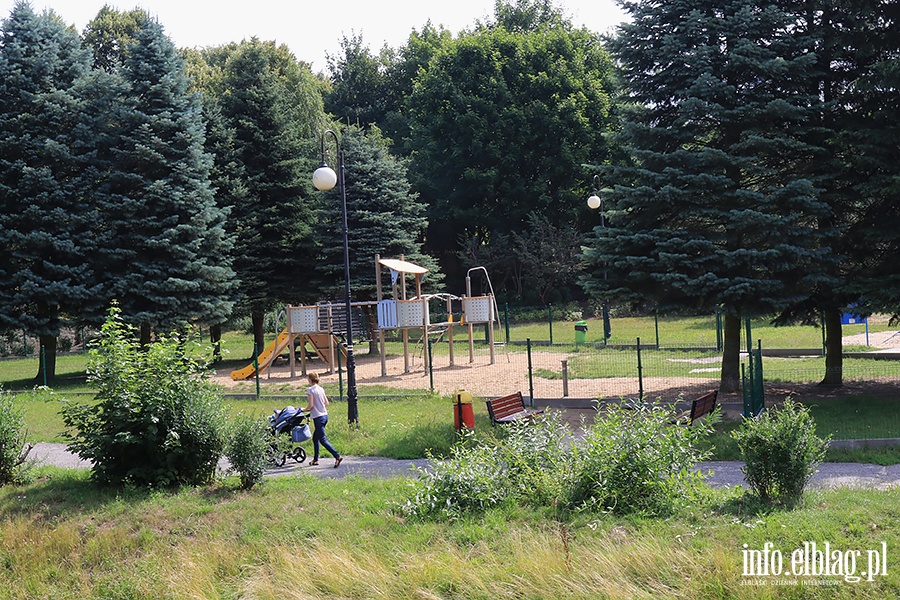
x=402, y=266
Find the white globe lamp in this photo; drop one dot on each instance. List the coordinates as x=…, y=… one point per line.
x=324, y=178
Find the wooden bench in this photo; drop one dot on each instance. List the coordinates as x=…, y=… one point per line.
x=510, y=408
x=700, y=407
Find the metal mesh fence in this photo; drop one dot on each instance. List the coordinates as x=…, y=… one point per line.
x=591, y=371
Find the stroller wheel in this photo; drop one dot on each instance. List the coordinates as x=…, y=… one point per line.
x=299, y=454
x=275, y=457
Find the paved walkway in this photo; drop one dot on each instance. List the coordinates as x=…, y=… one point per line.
x=721, y=473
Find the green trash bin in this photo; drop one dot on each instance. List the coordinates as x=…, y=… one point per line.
x=581, y=332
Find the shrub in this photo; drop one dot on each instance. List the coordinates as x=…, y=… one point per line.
x=248, y=440
x=157, y=420
x=65, y=343
x=629, y=461
x=536, y=459
x=12, y=441
x=781, y=452
x=541, y=314
x=525, y=465
x=635, y=460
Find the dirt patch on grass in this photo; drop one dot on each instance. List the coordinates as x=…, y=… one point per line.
x=508, y=373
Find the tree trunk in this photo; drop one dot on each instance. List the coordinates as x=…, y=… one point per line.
x=372, y=328
x=145, y=335
x=834, y=348
x=731, y=355
x=215, y=338
x=47, y=365
x=259, y=334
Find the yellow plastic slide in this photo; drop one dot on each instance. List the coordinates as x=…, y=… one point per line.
x=265, y=359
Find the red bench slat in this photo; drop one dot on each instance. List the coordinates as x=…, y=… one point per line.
x=700, y=407
x=509, y=408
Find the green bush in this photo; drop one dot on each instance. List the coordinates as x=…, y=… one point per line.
x=781, y=452
x=156, y=422
x=12, y=440
x=636, y=460
x=629, y=461
x=541, y=314
x=248, y=440
x=526, y=465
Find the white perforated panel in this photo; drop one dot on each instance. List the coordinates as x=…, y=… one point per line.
x=304, y=319
x=412, y=313
x=479, y=309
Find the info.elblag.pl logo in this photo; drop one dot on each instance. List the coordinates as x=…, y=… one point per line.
x=813, y=563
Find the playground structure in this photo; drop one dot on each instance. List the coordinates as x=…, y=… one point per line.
x=303, y=329
x=322, y=326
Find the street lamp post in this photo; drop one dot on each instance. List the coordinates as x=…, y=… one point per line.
x=324, y=178
x=595, y=202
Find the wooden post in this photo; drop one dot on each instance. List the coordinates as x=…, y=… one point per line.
x=380, y=296
x=491, y=333
x=290, y=328
x=303, y=354
x=331, y=361
x=450, y=328
x=405, y=330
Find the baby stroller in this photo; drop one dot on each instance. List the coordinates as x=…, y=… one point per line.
x=288, y=421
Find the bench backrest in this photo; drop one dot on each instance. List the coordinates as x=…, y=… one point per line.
x=506, y=406
x=703, y=405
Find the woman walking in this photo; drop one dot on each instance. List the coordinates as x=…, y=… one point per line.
x=318, y=412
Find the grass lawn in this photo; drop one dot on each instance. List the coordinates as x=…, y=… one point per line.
x=404, y=423
x=401, y=427
x=298, y=536
x=680, y=331
x=303, y=537
x=408, y=426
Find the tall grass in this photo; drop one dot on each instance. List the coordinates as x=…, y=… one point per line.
x=302, y=537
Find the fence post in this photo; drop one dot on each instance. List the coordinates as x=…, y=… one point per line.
x=430, y=366
x=640, y=372
x=506, y=320
x=752, y=387
x=749, y=336
x=745, y=388
x=530, y=372
x=607, y=325
x=565, y=375
x=656, y=325
x=760, y=388
x=719, y=341
x=824, y=349
x=550, y=316
x=44, y=364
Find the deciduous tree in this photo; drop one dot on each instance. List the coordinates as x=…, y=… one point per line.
x=501, y=123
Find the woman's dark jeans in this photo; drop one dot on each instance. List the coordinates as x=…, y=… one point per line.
x=319, y=438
